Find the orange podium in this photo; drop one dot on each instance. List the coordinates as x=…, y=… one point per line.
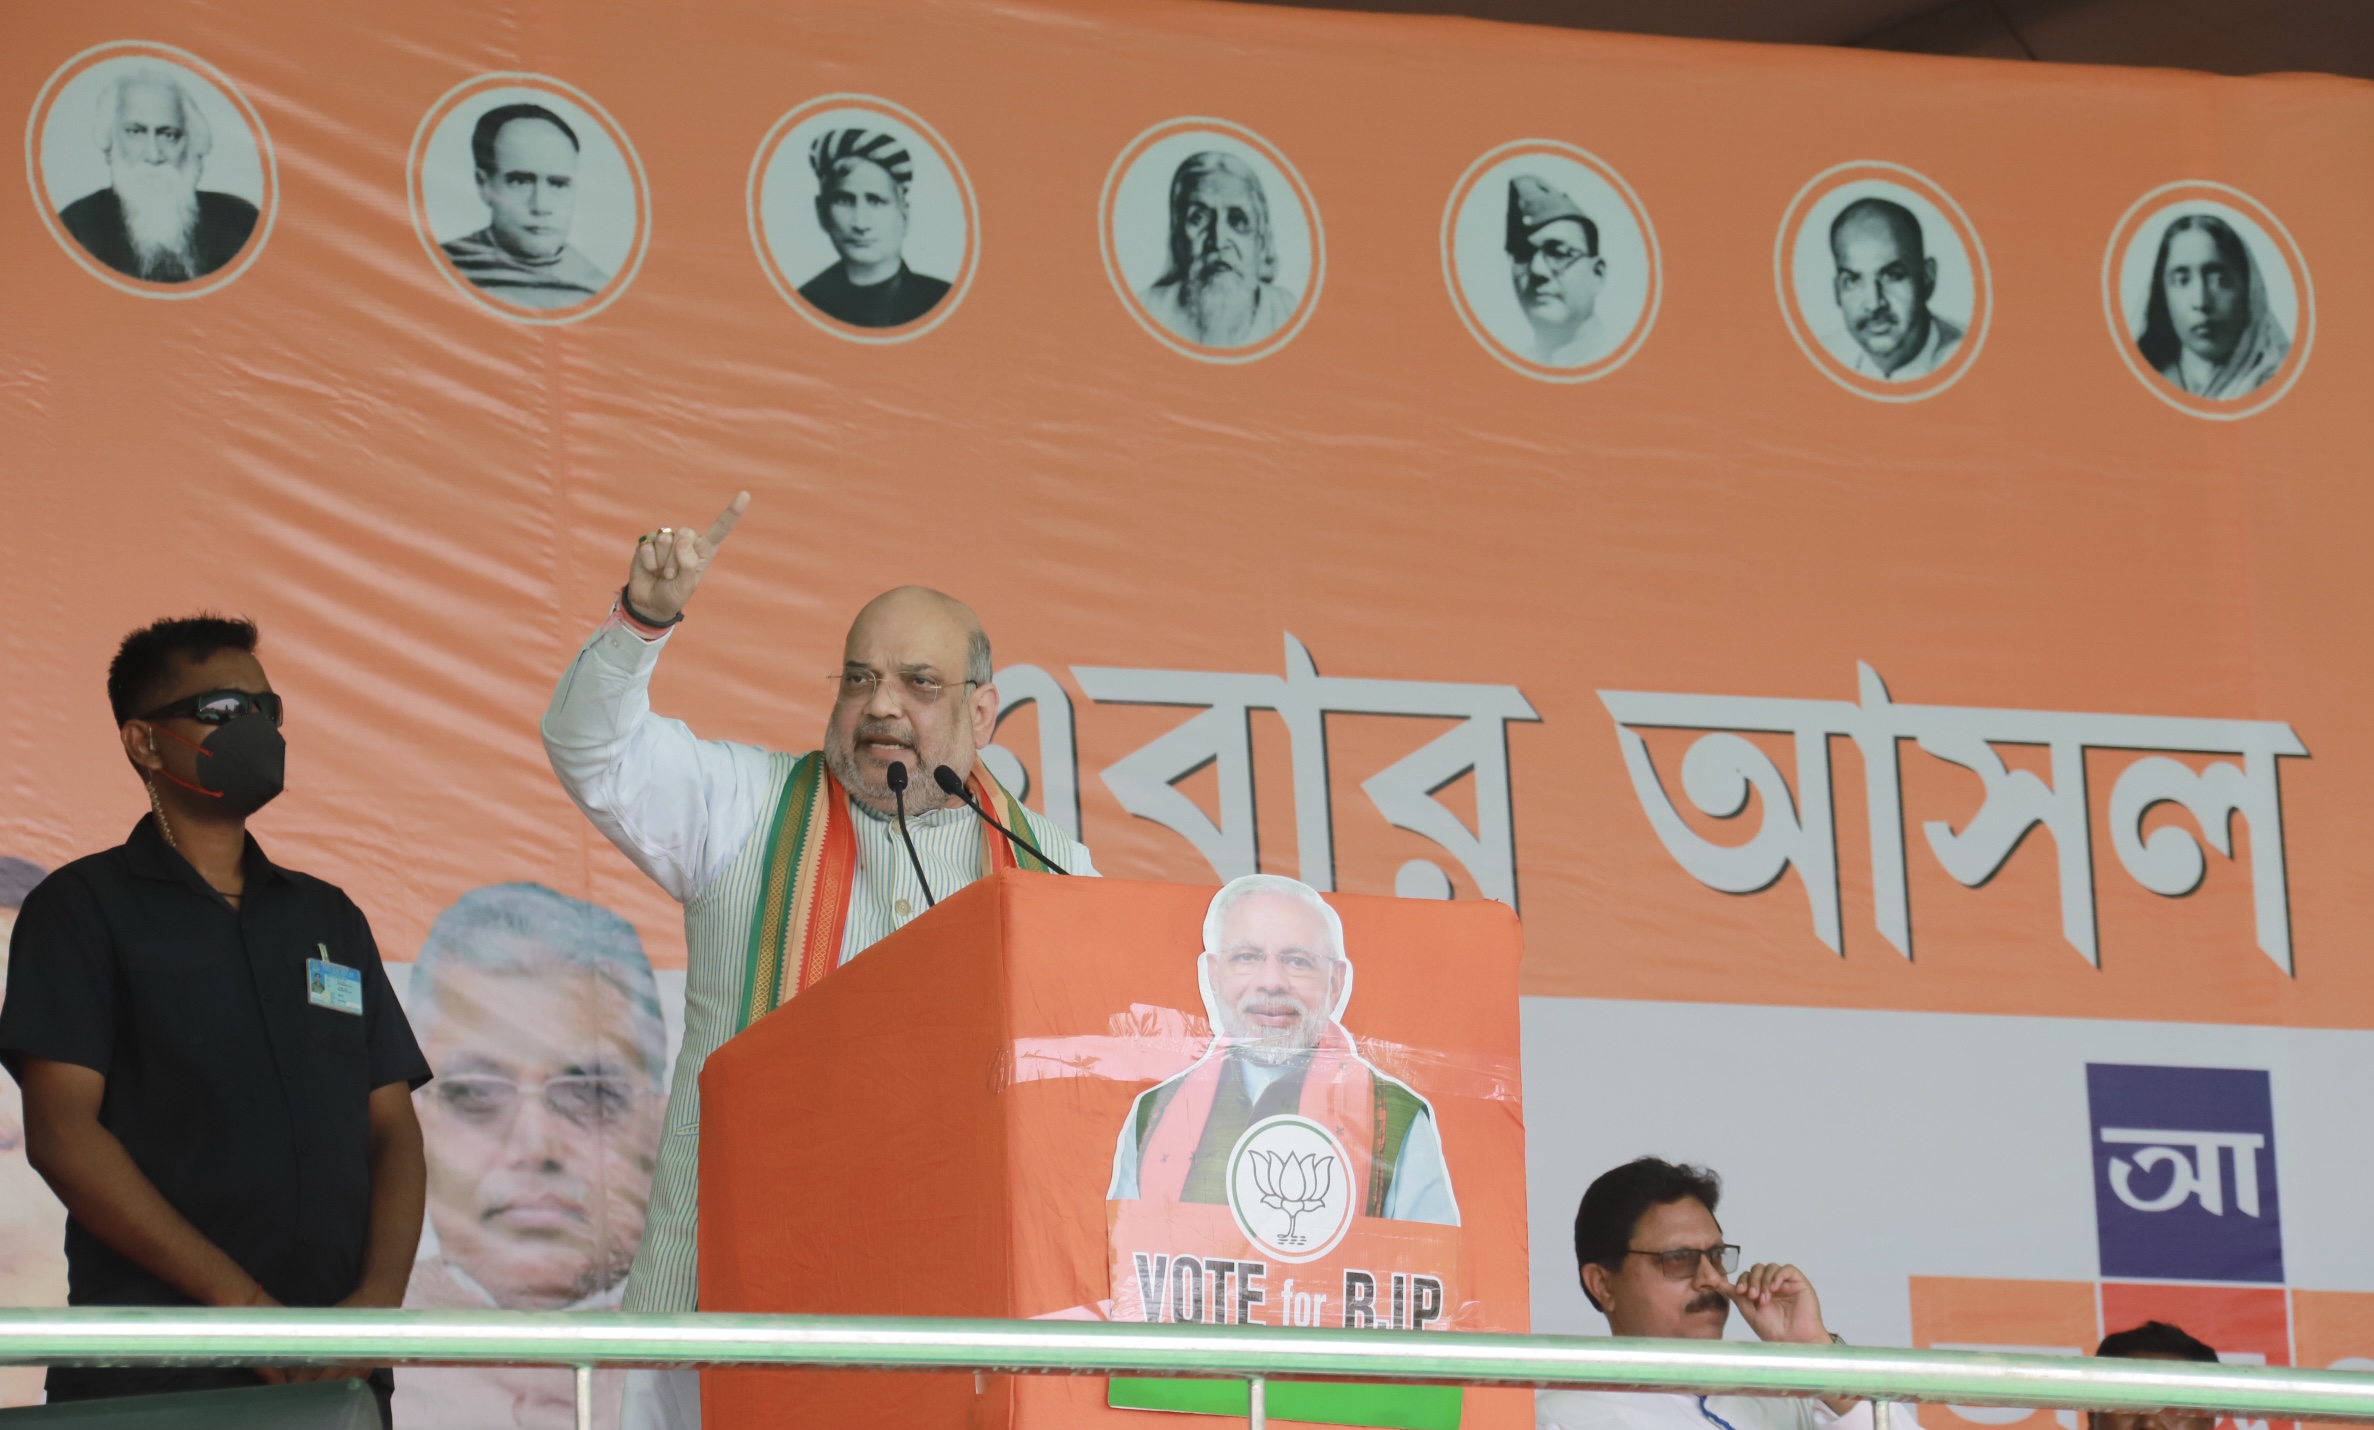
x=1017, y=1106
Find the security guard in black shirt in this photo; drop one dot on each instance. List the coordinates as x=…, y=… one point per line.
x=217, y=1077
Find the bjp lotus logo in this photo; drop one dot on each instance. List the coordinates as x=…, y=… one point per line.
x=1292, y=1184
x=1288, y=1185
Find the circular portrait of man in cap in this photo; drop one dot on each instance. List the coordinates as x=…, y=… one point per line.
x=2209, y=299
x=1883, y=281
x=529, y=198
x=1551, y=261
x=863, y=218
x=1212, y=240
x=155, y=173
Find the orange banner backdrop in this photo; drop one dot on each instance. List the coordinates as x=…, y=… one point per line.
x=1812, y=530
x=424, y=490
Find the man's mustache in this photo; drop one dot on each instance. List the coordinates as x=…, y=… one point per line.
x=1706, y=1301
x=885, y=732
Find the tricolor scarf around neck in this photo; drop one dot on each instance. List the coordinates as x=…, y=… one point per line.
x=809, y=869
x=1338, y=1093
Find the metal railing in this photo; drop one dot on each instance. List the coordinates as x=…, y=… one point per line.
x=582, y=1340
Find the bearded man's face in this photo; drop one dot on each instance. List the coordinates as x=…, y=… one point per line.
x=156, y=178
x=1275, y=976
x=1226, y=242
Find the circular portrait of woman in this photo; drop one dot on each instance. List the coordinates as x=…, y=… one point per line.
x=529, y=198
x=864, y=220
x=1212, y=240
x=1551, y=261
x=2209, y=299
x=1883, y=282
x=155, y=172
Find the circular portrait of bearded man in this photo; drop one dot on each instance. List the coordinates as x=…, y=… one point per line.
x=864, y=220
x=530, y=198
x=154, y=169
x=1212, y=240
x=2211, y=293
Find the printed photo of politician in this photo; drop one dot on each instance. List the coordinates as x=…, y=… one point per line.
x=1276, y=978
x=540, y=1015
x=2208, y=320
x=862, y=219
x=1884, y=284
x=152, y=170
x=1212, y=241
x=529, y=200
x=1552, y=265
x=32, y=1220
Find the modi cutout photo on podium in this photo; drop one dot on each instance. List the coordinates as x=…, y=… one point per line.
x=1280, y=1144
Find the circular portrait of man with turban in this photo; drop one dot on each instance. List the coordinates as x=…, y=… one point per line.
x=529, y=198
x=156, y=174
x=1212, y=240
x=2209, y=299
x=1551, y=261
x=1882, y=281
x=864, y=220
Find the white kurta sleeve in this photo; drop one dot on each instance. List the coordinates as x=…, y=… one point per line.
x=679, y=807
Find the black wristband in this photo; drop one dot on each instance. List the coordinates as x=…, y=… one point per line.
x=628, y=606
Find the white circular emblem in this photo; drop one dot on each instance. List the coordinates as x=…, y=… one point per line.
x=1290, y=1187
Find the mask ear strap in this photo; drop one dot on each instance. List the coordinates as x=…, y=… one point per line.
x=203, y=752
x=153, y=731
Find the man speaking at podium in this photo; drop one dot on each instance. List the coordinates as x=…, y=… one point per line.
x=821, y=838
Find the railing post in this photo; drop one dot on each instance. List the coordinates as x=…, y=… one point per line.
x=1879, y=1415
x=1257, y=1402
x=585, y=1397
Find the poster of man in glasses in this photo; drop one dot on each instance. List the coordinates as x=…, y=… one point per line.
x=541, y=1017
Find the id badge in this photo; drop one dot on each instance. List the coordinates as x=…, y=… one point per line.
x=332, y=985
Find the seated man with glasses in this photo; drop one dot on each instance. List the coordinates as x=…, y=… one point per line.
x=540, y=1014
x=820, y=839
x=217, y=1077
x=1653, y=1260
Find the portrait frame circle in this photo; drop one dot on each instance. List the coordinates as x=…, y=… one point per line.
x=788, y=289
x=2131, y=223
x=416, y=199
x=268, y=159
x=1800, y=323
x=1127, y=160
x=1542, y=372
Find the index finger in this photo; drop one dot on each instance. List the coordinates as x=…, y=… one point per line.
x=723, y=527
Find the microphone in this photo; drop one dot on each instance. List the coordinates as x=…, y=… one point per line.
x=947, y=779
x=898, y=794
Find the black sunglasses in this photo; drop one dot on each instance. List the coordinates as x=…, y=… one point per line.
x=220, y=707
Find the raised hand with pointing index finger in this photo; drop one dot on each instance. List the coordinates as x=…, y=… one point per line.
x=668, y=563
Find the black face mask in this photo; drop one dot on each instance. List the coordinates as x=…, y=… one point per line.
x=242, y=763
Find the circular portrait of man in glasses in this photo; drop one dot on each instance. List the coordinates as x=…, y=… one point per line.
x=1551, y=261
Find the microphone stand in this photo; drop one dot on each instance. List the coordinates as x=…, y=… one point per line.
x=947, y=780
x=898, y=795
